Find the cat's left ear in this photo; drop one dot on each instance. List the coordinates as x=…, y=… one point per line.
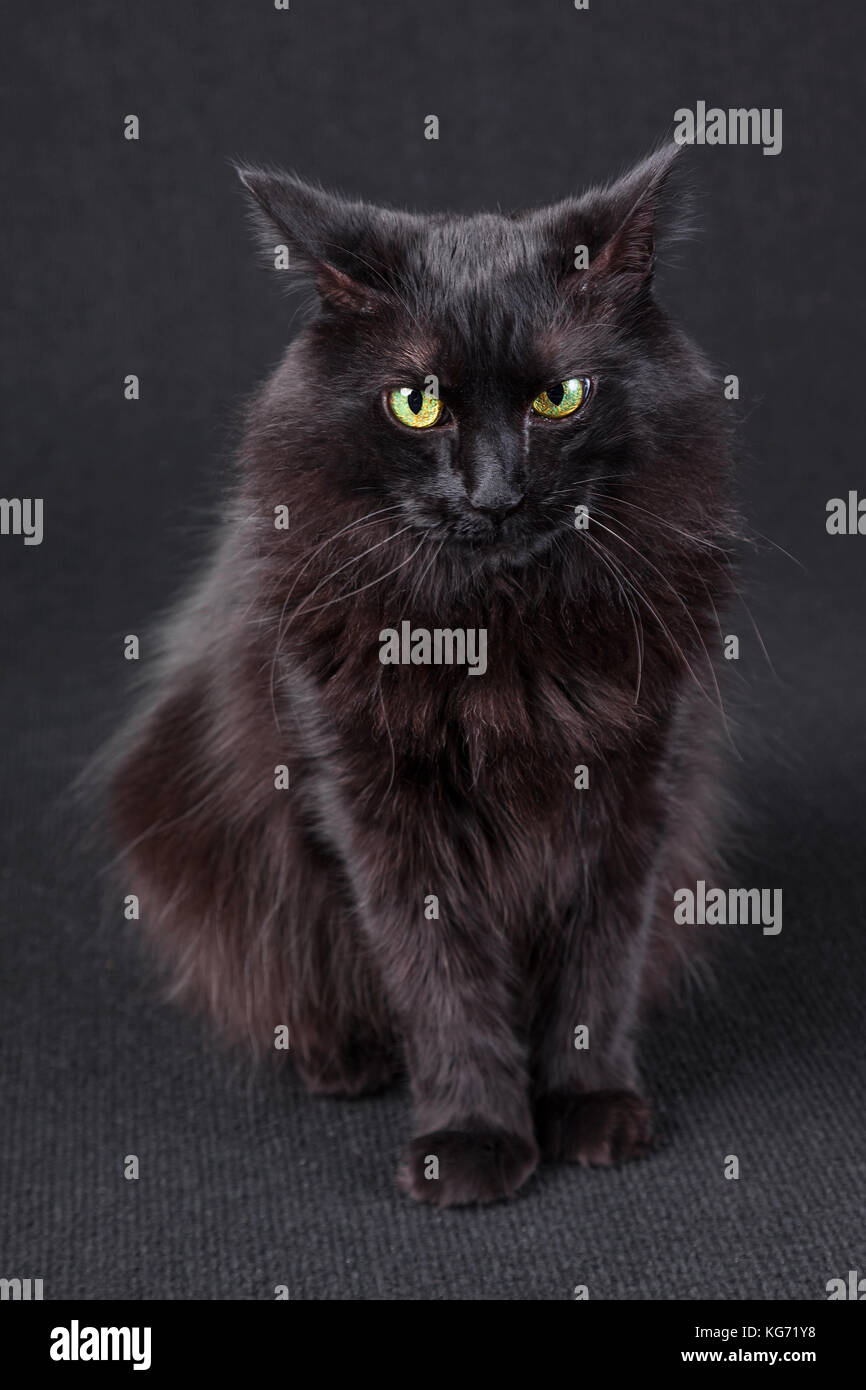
x=336, y=243
x=606, y=241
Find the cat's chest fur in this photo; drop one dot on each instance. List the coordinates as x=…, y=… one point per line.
x=545, y=749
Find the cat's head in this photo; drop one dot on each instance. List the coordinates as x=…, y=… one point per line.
x=478, y=373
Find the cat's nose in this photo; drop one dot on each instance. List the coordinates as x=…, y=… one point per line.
x=496, y=501
x=499, y=512
x=494, y=476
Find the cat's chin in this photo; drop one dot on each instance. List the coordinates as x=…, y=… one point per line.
x=504, y=554
x=498, y=552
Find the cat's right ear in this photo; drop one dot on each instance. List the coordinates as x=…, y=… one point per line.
x=315, y=233
x=612, y=232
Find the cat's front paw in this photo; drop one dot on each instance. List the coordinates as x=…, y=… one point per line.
x=595, y=1128
x=449, y=1168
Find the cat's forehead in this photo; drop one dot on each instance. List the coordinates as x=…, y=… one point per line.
x=481, y=283
x=488, y=276
x=470, y=253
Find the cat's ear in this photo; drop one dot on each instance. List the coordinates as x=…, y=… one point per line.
x=607, y=240
x=325, y=238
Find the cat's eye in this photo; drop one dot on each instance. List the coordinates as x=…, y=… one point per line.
x=415, y=408
x=562, y=399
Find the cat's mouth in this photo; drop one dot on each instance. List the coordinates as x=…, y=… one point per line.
x=514, y=539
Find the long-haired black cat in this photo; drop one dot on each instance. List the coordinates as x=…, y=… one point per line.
x=465, y=872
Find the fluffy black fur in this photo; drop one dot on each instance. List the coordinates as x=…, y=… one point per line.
x=311, y=906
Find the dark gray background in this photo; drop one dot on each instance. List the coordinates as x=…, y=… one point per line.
x=135, y=257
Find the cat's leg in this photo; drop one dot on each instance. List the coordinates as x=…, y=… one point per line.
x=588, y=1105
x=345, y=1043
x=246, y=910
x=473, y=1134
x=446, y=964
x=622, y=951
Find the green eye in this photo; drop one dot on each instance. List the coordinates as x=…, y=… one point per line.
x=415, y=408
x=562, y=399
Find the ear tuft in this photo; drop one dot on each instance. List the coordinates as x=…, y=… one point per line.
x=636, y=203
x=323, y=234
x=620, y=225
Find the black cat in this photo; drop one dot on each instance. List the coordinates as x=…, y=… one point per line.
x=484, y=429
